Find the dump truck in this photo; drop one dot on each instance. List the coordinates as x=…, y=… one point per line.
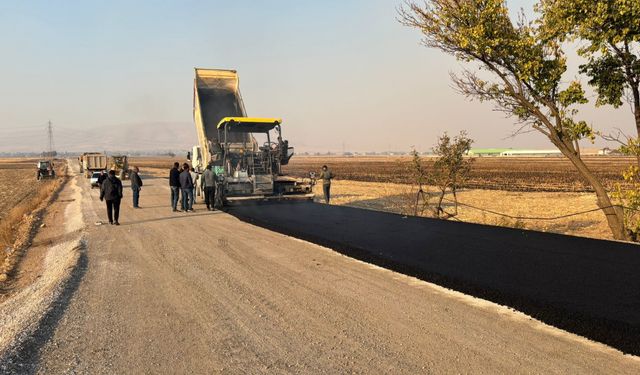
x=92, y=162
x=120, y=164
x=45, y=170
x=247, y=153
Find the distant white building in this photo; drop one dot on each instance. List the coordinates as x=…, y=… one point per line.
x=531, y=153
x=604, y=151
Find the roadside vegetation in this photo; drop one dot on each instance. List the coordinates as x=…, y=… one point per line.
x=521, y=68
x=450, y=170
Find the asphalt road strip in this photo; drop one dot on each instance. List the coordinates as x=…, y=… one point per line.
x=584, y=286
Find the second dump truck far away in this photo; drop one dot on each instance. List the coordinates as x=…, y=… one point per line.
x=247, y=152
x=120, y=164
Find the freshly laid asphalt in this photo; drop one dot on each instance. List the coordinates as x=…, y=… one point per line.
x=586, y=286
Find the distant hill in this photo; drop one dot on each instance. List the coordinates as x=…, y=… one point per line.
x=152, y=136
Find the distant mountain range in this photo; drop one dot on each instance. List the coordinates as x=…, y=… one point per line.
x=152, y=136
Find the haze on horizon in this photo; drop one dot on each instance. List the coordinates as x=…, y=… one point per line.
x=342, y=74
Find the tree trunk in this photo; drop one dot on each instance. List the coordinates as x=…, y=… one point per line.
x=614, y=215
x=636, y=107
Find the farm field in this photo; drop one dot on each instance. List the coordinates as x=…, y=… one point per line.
x=17, y=182
x=495, y=173
x=20, y=194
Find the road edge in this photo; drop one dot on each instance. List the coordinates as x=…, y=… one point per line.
x=32, y=312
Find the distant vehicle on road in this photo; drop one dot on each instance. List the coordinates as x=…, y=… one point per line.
x=94, y=179
x=45, y=170
x=120, y=164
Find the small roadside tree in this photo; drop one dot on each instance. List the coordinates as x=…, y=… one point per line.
x=420, y=176
x=450, y=169
x=526, y=71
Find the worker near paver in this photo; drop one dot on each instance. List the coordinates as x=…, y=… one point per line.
x=208, y=181
x=136, y=186
x=194, y=178
x=111, y=192
x=326, y=175
x=174, y=184
x=186, y=184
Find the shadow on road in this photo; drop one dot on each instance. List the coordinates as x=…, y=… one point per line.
x=177, y=216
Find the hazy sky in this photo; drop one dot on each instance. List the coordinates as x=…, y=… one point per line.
x=337, y=71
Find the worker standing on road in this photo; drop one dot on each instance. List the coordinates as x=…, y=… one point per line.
x=111, y=191
x=326, y=176
x=208, y=181
x=186, y=184
x=101, y=178
x=136, y=186
x=174, y=184
x=196, y=184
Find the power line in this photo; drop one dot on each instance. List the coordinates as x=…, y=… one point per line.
x=543, y=218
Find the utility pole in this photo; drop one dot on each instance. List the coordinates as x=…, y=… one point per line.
x=50, y=134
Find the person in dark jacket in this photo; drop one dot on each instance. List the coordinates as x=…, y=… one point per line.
x=111, y=192
x=101, y=178
x=174, y=184
x=208, y=182
x=136, y=186
x=326, y=176
x=186, y=184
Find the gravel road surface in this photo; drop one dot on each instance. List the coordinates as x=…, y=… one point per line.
x=206, y=293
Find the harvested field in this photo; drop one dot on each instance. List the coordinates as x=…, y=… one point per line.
x=17, y=182
x=161, y=162
x=544, y=174
x=495, y=173
x=20, y=194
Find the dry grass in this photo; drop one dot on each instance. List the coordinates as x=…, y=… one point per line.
x=399, y=198
x=161, y=162
x=497, y=173
x=27, y=198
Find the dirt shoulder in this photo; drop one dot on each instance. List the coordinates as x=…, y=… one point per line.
x=42, y=272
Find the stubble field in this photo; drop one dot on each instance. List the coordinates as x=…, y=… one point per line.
x=495, y=173
x=17, y=182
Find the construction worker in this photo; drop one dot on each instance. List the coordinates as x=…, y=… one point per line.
x=111, y=192
x=208, y=181
x=101, y=178
x=174, y=184
x=136, y=186
x=196, y=183
x=326, y=175
x=186, y=184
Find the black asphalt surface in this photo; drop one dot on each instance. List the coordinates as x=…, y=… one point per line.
x=589, y=287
